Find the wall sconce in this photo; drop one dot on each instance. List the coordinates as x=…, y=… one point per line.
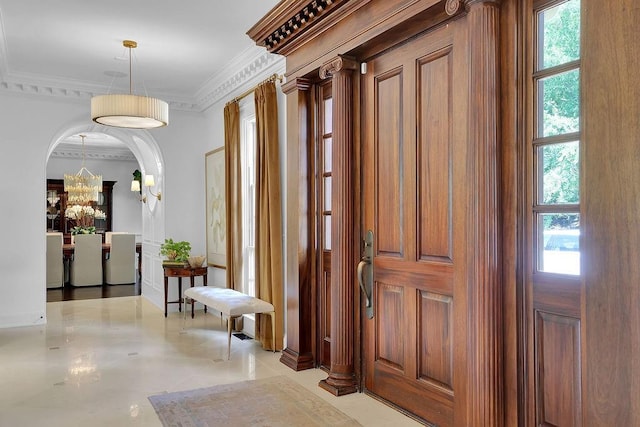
x=149, y=182
x=135, y=187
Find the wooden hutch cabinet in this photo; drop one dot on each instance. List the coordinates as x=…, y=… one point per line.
x=56, y=201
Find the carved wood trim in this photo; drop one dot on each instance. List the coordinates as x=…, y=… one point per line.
x=295, y=18
x=452, y=7
x=337, y=64
x=300, y=84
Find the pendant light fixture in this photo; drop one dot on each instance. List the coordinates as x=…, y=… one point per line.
x=129, y=110
x=82, y=188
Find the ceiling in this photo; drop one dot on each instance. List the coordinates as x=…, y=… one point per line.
x=63, y=46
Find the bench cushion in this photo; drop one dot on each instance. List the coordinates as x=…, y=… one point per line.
x=228, y=301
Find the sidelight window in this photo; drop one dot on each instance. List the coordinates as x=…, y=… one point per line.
x=556, y=137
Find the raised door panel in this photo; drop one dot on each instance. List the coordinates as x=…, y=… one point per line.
x=389, y=163
x=390, y=324
x=558, y=370
x=434, y=156
x=435, y=317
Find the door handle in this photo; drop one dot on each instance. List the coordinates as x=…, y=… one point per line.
x=365, y=273
x=361, y=265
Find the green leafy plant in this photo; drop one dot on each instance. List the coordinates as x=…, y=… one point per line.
x=178, y=251
x=83, y=230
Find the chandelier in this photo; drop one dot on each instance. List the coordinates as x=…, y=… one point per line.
x=129, y=110
x=83, y=187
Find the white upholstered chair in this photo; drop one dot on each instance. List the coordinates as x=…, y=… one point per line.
x=120, y=266
x=86, y=265
x=108, y=235
x=55, y=260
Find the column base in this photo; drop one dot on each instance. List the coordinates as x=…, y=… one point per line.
x=338, y=389
x=296, y=361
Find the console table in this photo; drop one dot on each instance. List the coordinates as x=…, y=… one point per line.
x=180, y=272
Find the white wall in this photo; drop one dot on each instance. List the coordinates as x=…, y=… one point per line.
x=126, y=205
x=30, y=126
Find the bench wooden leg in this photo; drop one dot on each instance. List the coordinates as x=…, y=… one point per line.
x=273, y=329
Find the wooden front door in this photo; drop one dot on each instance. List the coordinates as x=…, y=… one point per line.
x=414, y=161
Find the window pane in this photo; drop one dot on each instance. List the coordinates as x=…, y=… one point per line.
x=559, y=104
x=558, y=165
x=559, y=243
x=327, y=193
x=327, y=155
x=559, y=33
x=327, y=106
x=327, y=233
x=248, y=160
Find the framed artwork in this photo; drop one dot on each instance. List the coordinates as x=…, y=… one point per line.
x=216, y=208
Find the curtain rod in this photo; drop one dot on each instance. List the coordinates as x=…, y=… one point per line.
x=271, y=78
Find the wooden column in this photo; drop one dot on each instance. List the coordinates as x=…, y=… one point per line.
x=485, y=399
x=341, y=378
x=298, y=354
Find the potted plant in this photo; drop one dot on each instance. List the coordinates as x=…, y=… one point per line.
x=176, y=251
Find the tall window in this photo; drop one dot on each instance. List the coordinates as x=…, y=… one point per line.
x=248, y=161
x=556, y=137
x=325, y=169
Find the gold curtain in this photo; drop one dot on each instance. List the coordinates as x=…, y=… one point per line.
x=269, y=256
x=233, y=194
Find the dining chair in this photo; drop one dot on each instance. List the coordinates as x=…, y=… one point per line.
x=86, y=264
x=108, y=235
x=55, y=260
x=120, y=266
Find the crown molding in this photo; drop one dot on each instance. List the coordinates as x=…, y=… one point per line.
x=241, y=70
x=65, y=151
x=246, y=68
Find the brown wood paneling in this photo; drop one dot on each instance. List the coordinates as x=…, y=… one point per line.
x=355, y=22
x=435, y=332
x=325, y=321
x=474, y=281
x=610, y=216
x=558, y=370
x=557, y=295
x=512, y=200
x=437, y=277
x=300, y=269
x=434, y=160
x=390, y=303
x=388, y=87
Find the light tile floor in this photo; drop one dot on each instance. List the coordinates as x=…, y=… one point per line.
x=96, y=362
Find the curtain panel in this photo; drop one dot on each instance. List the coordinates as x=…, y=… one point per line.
x=233, y=194
x=269, y=255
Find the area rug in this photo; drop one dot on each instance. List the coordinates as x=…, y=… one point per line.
x=269, y=402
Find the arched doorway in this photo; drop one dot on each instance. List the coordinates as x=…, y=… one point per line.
x=149, y=158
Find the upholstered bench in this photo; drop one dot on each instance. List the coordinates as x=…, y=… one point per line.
x=232, y=304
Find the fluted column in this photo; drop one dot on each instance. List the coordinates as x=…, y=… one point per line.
x=341, y=378
x=298, y=354
x=485, y=295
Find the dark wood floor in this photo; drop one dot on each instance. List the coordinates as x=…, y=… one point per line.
x=69, y=293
